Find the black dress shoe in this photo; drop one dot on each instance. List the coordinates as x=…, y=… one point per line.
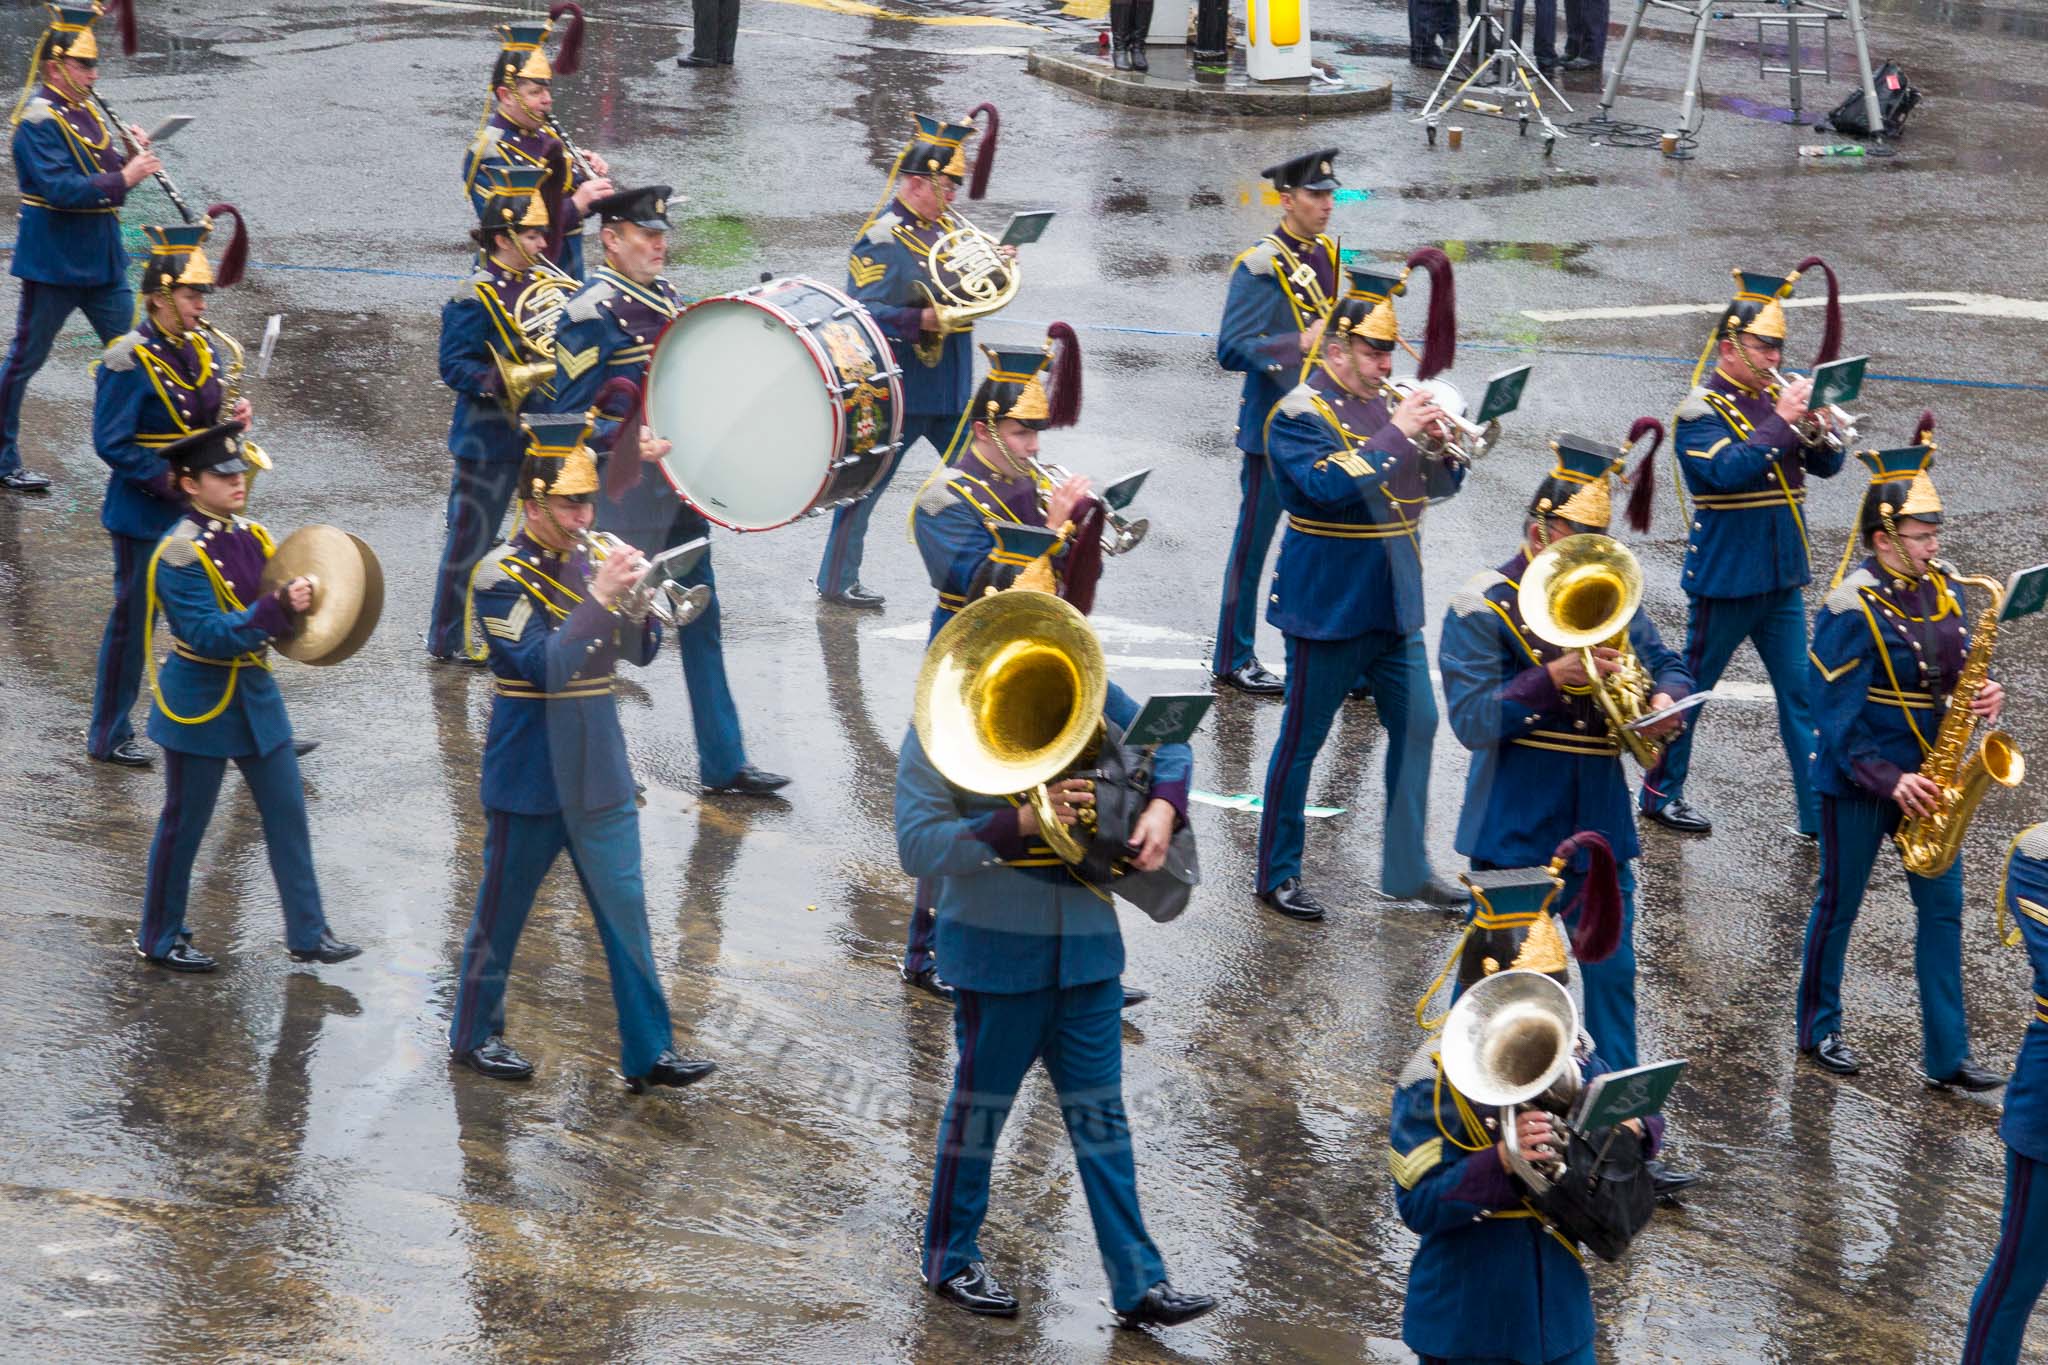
x=1428, y=63
x=458, y=660
x=1291, y=899
x=182, y=957
x=1359, y=693
x=302, y=747
x=1165, y=1306
x=23, y=481
x=1135, y=995
x=751, y=781
x=497, y=1059
x=1438, y=892
x=928, y=982
x=1665, y=1182
x=1681, y=817
x=1253, y=678
x=1581, y=64
x=328, y=949
x=858, y=596
x=671, y=1070
x=129, y=753
x=977, y=1291
x=692, y=59
x=1969, y=1076
x=1834, y=1055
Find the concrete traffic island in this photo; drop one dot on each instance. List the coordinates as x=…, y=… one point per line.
x=1176, y=83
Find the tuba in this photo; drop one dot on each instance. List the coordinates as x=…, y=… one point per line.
x=965, y=278
x=1581, y=592
x=1455, y=440
x=1509, y=1041
x=231, y=393
x=1929, y=844
x=537, y=313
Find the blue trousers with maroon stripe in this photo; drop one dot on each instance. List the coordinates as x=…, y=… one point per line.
x=1775, y=622
x=191, y=787
x=604, y=847
x=924, y=922
x=1258, y=512
x=478, y=495
x=1077, y=1032
x=847, y=544
x=1319, y=675
x=1852, y=833
x=119, y=678
x=45, y=308
x=2018, y=1271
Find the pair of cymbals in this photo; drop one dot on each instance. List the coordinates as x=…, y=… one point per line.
x=348, y=592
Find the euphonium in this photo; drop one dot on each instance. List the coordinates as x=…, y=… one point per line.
x=1509, y=1042
x=536, y=314
x=1580, y=593
x=1928, y=844
x=1010, y=697
x=965, y=278
x=231, y=393
x=1455, y=439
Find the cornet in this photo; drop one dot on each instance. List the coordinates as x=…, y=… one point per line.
x=1119, y=535
x=1812, y=430
x=658, y=594
x=1455, y=440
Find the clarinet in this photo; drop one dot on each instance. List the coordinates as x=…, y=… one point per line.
x=177, y=200
x=575, y=153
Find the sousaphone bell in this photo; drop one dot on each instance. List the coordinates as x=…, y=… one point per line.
x=348, y=592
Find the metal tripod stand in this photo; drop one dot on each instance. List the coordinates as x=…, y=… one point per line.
x=1501, y=68
x=1794, y=16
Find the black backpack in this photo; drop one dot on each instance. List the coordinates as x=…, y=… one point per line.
x=1896, y=98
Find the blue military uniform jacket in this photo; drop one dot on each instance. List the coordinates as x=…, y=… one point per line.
x=69, y=164
x=1489, y=1280
x=502, y=140
x=950, y=524
x=882, y=272
x=1278, y=288
x=608, y=330
x=1746, y=471
x=1011, y=917
x=150, y=390
x=476, y=324
x=1545, y=765
x=554, y=741
x=1353, y=487
x=1886, y=655
x=2025, y=896
x=215, y=696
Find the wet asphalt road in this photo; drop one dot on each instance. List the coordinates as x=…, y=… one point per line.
x=275, y=1162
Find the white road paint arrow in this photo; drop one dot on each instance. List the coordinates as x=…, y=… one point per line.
x=1917, y=301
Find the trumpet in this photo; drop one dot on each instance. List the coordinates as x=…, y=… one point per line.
x=231, y=393
x=657, y=594
x=1811, y=430
x=1455, y=440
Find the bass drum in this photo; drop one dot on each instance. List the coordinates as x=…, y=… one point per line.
x=780, y=401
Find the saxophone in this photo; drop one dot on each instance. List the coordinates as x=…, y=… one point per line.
x=1929, y=844
x=231, y=393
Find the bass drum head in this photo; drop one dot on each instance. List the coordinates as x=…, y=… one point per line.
x=742, y=400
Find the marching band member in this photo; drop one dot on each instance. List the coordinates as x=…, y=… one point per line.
x=1747, y=552
x=216, y=701
x=2013, y=1281
x=555, y=773
x=606, y=332
x=1545, y=760
x=155, y=384
x=1281, y=292
x=481, y=335
x=67, y=248
x=517, y=130
x=1348, y=591
x=1035, y=957
x=884, y=271
x=1490, y=1281
x=1888, y=646
x=958, y=523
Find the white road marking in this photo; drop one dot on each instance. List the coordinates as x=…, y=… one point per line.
x=1918, y=301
